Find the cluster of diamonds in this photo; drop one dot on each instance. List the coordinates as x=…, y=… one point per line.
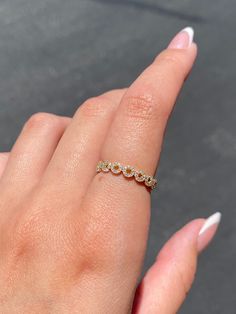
x=127, y=171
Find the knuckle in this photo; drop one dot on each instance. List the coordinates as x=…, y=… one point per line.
x=94, y=248
x=145, y=107
x=172, y=57
x=140, y=106
x=101, y=249
x=29, y=231
x=97, y=248
x=22, y=241
x=95, y=106
x=43, y=120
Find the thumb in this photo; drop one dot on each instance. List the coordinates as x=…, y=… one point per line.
x=164, y=287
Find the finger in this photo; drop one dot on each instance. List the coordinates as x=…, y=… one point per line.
x=167, y=282
x=135, y=138
x=117, y=210
x=33, y=150
x=76, y=156
x=3, y=162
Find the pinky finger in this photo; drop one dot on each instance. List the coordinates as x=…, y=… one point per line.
x=3, y=162
x=167, y=282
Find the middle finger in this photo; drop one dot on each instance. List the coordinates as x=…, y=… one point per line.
x=79, y=149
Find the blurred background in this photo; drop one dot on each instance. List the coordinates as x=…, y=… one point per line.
x=54, y=54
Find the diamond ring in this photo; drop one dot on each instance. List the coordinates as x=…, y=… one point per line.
x=127, y=171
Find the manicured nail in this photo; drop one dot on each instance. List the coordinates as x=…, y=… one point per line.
x=183, y=39
x=208, y=230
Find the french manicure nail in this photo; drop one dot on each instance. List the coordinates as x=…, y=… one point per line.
x=183, y=39
x=208, y=230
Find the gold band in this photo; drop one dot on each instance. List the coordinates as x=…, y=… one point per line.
x=127, y=171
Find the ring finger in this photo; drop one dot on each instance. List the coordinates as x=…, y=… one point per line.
x=135, y=138
x=76, y=155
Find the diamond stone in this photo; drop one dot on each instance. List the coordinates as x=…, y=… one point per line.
x=139, y=176
x=106, y=166
x=149, y=181
x=116, y=167
x=99, y=166
x=128, y=171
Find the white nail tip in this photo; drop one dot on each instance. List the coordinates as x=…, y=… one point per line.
x=212, y=220
x=190, y=32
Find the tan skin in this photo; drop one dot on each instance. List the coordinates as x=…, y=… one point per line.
x=73, y=241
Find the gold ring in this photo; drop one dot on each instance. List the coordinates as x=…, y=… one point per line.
x=127, y=171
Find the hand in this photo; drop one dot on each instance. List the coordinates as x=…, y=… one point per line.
x=73, y=241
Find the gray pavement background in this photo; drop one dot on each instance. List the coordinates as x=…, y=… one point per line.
x=54, y=54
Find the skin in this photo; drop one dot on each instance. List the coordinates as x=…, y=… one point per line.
x=66, y=233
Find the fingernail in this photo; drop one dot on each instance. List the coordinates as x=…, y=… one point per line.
x=208, y=230
x=183, y=39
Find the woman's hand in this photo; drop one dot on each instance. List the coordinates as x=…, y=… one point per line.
x=73, y=241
